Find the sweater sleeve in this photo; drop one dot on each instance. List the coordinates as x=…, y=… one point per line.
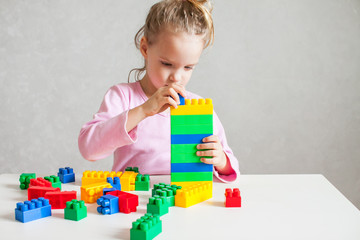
x=220, y=132
x=100, y=137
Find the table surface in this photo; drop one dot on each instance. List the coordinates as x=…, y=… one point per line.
x=273, y=207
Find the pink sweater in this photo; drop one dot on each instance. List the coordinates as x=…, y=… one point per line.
x=147, y=146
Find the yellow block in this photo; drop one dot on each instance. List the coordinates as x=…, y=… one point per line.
x=194, y=107
x=189, y=184
x=191, y=195
x=90, y=193
x=91, y=177
x=127, y=181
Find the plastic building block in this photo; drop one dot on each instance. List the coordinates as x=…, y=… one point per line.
x=190, y=184
x=188, y=138
x=91, y=177
x=58, y=199
x=127, y=201
x=108, y=204
x=90, y=193
x=189, y=196
x=142, y=182
x=114, y=182
x=127, y=181
x=75, y=210
x=191, y=167
x=37, y=192
x=40, y=182
x=133, y=169
x=182, y=100
x=191, y=176
x=25, y=180
x=194, y=107
x=66, y=175
x=146, y=228
x=32, y=210
x=166, y=190
x=106, y=190
x=232, y=197
x=158, y=205
x=55, y=181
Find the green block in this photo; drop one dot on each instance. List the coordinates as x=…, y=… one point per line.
x=185, y=153
x=55, y=181
x=191, y=176
x=75, y=210
x=191, y=119
x=142, y=182
x=158, y=205
x=132, y=169
x=168, y=194
x=25, y=180
x=192, y=129
x=146, y=228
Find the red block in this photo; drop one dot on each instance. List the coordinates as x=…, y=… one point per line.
x=233, y=198
x=36, y=192
x=58, y=199
x=40, y=182
x=127, y=201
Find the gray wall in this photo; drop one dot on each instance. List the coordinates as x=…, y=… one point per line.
x=284, y=77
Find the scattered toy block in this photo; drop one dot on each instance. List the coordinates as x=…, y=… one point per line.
x=189, y=196
x=75, y=210
x=25, y=180
x=66, y=175
x=58, y=200
x=90, y=193
x=55, y=181
x=127, y=201
x=106, y=190
x=32, y=210
x=127, y=181
x=38, y=191
x=91, y=177
x=108, y=204
x=146, y=228
x=166, y=190
x=158, y=205
x=115, y=182
x=232, y=197
x=142, y=182
x=39, y=182
x=133, y=169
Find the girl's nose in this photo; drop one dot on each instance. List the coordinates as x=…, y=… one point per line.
x=175, y=77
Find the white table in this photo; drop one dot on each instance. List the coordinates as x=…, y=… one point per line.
x=273, y=207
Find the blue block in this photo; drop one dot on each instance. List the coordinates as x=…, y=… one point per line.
x=66, y=175
x=32, y=210
x=191, y=167
x=188, y=138
x=106, y=190
x=108, y=204
x=114, y=182
x=182, y=100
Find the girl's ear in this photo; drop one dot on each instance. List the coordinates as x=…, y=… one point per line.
x=144, y=46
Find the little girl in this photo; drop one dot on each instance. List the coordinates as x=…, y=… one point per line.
x=133, y=121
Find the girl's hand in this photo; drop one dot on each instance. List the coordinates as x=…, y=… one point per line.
x=163, y=98
x=213, y=148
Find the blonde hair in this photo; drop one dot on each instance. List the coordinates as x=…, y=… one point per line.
x=190, y=16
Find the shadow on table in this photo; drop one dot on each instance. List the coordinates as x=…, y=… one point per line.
x=214, y=203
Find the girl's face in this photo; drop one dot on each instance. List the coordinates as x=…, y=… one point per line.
x=170, y=59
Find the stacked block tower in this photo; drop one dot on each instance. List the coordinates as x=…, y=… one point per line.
x=190, y=123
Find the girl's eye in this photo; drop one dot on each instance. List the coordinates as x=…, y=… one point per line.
x=166, y=64
x=189, y=67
